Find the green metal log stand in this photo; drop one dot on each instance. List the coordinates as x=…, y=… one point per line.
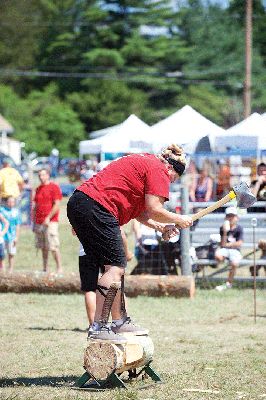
x=88, y=382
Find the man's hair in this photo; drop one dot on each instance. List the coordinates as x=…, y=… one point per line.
x=261, y=165
x=46, y=170
x=174, y=152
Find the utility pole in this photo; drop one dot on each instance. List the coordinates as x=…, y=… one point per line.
x=185, y=233
x=248, y=60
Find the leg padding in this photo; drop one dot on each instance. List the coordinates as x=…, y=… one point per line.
x=108, y=302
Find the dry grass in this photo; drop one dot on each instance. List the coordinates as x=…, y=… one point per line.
x=209, y=343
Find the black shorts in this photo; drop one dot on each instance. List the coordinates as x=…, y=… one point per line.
x=99, y=233
x=89, y=273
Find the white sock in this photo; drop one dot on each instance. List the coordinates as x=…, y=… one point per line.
x=118, y=322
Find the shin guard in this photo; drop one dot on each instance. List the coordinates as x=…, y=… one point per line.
x=108, y=302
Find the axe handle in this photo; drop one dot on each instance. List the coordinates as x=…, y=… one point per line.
x=214, y=206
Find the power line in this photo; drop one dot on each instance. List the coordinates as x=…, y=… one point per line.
x=107, y=76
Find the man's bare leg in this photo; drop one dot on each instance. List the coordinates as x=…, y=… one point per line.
x=232, y=273
x=10, y=263
x=57, y=258
x=90, y=303
x=45, y=253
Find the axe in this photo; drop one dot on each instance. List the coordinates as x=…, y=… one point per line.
x=245, y=198
x=241, y=192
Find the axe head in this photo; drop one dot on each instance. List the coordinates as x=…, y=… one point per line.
x=245, y=198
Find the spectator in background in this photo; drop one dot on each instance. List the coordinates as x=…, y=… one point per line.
x=54, y=162
x=258, y=186
x=12, y=215
x=147, y=249
x=87, y=173
x=4, y=225
x=202, y=186
x=45, y=218
x=11, y=182
x=231, y=240
x=223, y=179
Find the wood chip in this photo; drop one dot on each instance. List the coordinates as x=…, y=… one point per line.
x=202, y=391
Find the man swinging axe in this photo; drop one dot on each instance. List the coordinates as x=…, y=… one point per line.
x=134, y=186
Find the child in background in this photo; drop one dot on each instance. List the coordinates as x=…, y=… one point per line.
x=3, y=229
x=12, y=215
x=231, y=240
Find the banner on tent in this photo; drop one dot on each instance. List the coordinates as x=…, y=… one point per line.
x=236, y=143
x=140, y=145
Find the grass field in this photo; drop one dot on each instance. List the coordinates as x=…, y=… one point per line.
x=209, y=343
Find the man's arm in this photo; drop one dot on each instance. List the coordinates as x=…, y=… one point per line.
x=17, y=233
x=53, y=211
x=5, y=223
x=255, y=186
x=146, y=220
x=233, y=245
x=156, y=211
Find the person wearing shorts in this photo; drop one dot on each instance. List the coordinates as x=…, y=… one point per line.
x=45, y=219
x=231, y=240
x=134, y=186
x=4, y=225
x=12, y=215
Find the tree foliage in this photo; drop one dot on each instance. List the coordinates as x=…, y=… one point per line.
x=69, y=67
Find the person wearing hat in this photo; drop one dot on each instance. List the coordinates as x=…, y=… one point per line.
x=134, y=186
x=231, y=240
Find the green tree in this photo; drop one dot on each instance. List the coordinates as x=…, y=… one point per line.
x=106, y=103
x=42, y=121
x=237, y=10
x=218, y=48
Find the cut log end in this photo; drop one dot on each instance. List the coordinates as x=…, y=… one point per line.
x=101, y=359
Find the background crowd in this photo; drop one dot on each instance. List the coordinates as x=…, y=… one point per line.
x=153, y=255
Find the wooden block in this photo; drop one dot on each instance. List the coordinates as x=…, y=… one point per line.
x=102, y=358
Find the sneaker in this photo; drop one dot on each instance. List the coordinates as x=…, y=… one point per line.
x=225, y=286
x=127, y=327
x=105, y=334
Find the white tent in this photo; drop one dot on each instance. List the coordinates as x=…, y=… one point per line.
x=249, y=134
x=102, y=132
x=185, y=127
x=131, y=136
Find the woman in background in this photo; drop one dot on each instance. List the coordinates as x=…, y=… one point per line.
x=202, y=187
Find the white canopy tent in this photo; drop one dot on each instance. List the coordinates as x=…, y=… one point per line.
x=131, y=136
x=249, y=134
x=9, y=146
x=185, y=127
x=102, y=132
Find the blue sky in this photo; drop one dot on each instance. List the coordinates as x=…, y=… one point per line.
x=224, y=3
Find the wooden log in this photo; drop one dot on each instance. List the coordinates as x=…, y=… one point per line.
x=160, y=285
x=135, y=285
x=101, y=358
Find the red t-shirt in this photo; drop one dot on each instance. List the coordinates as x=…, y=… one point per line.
x=44, y=199
x=122, y=185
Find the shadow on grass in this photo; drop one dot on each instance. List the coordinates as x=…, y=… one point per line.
x=40, y=381
x=51, y=328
